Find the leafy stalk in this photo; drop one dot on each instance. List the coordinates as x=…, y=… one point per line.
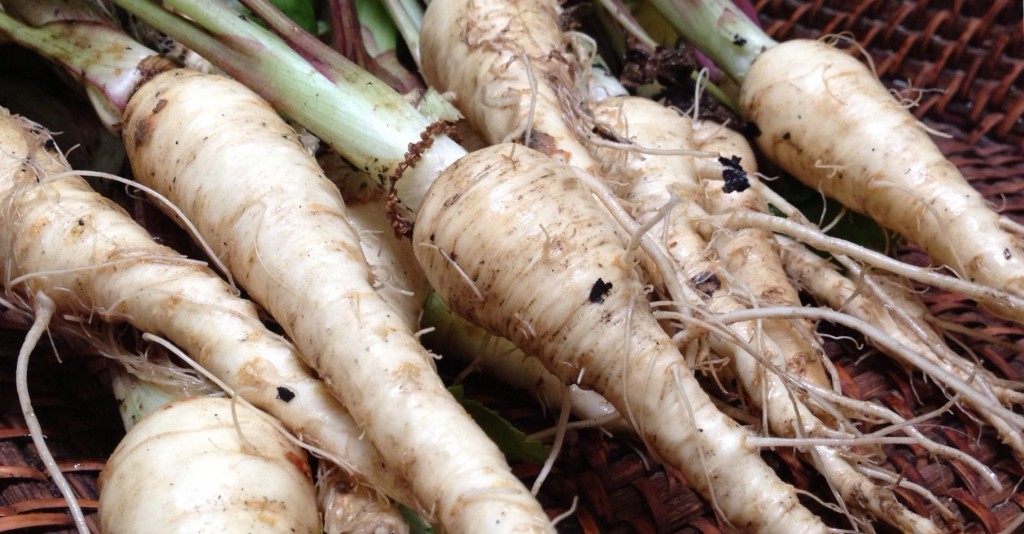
x=351, y=110
x=109, y=64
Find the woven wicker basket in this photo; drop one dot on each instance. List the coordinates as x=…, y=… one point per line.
x=968, y=53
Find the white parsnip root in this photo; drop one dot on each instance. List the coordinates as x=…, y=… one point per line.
x=224, y=459
x=766, y=356
x=514, y=78
x=826, y=119
x=64, y=241
x=226, y=158
x=583, y=311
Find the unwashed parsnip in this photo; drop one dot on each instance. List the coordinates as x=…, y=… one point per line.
x=751, y=254
x=581, y=309
x=825, y=118
x=202, y=465
x=403, y=285
x=61, y=239
x=514, y=79
x=757, y=351
x=219, y=152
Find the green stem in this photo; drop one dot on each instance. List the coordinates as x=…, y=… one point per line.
x=407, y=15
x=720, y=30
x=370, y=124
x=108, y=63
x=137, y=398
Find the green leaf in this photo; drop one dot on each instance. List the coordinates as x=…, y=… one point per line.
x=853, y=227
x=374, y=17
x=302, y=12
x=416, y=523
x=512, y=442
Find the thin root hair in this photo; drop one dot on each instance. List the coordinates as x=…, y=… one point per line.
x=162, y=200
x=462, y=274
x=556, y=447
x=236, y=395
x=568, y=513
x=902, y=482
x=823, y=242
x=44, y=308
x=848, y=37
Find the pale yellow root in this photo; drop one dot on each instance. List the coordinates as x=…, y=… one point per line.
x=201, y=465
x=589, y=321
x=759, y=352
x=751, y=255
x=514, y=76
x=401, y=282
x=829, y=122
x=227, y=159
x=63, y=239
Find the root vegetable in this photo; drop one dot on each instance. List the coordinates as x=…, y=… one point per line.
x=233, y=471
x=824, y=117
x=404, y=287
x=873, y=156
x=514, y=79
x=751, y=255
x=581, y=309
x=281, y=227
x=766, y=356
x=64, y=241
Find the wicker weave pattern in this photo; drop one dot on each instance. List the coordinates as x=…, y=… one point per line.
x=968, y=54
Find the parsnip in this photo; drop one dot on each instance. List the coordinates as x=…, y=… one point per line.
x=581, y=309
x=281, y=228
x=403, y=285
x=62, y=240
x=751, y=254
x=758, y=352
x=232, y=471
x=824, y=117
x=514, y=80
